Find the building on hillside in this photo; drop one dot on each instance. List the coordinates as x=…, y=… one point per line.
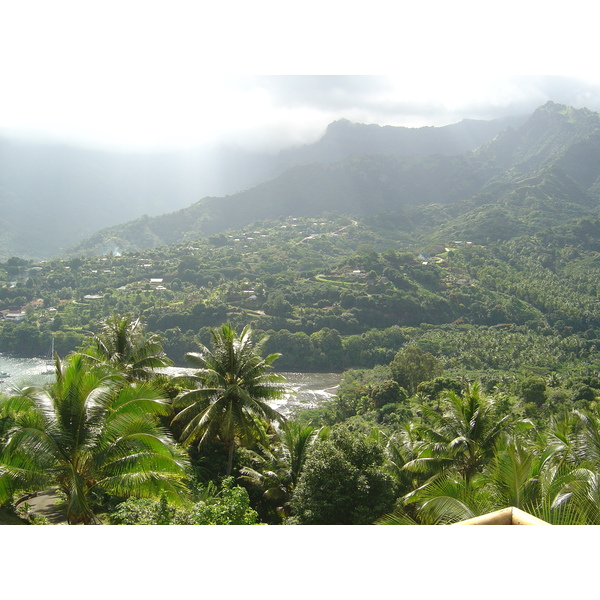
x=14, y=316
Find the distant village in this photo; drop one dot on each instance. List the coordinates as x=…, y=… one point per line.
x=18, y=314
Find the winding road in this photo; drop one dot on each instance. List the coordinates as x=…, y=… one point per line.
x=44, y=505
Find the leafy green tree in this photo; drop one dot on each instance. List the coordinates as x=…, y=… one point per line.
x=229, y=506
x=57, y=323
x=411, y=366
x=233, y=385
x=533, y=389
x=327, y=344
x=439, y=385
x=583, y=394
x=277, y=304
x=343, y=482
x=143, y=511
x=387, y=392
x=90, y=434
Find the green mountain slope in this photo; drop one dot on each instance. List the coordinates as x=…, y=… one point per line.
x=358, y=185
x=504, y=280
x=53, y=196
x=334, y=293
x=542, y=173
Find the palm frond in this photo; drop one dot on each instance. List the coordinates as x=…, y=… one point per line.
x=234, y=386
x=89, y=431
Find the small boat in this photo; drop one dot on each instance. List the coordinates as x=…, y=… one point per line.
x=4, y=374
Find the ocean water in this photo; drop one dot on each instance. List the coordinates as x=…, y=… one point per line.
x=23, y=371
x=306, y=390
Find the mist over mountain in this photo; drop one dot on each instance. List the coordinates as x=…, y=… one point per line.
x=55, y=196
x=344, y=138
x=533, y=176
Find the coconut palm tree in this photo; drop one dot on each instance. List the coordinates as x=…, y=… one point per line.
x=123, y=344
x=296, y=441
x=464, y=433
x=87, y=433
x=276, y=471
x=232, y=387
x=269, y=476
x=518, y=474
x=407, y=457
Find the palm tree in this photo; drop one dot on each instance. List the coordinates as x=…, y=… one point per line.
x=464, y=434
x=270, y=476
x=296, y=441
x=276, y=472
x=232, y=386
x=87, y=433
x=406, y=457
x=445, y=498
x=124, y=345
x=518, y=474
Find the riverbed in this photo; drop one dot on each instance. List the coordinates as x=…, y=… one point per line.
x=306, y=390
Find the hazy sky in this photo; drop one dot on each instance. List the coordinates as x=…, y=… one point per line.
x=146, y=75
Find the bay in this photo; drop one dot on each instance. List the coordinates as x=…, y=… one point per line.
x=306, y=390
x=23, y=371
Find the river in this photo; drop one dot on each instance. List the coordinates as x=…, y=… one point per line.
x=307, y=390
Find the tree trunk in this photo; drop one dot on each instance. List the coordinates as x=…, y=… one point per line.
x=230, y=458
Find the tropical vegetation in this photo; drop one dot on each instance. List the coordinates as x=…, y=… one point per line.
x=464, y=323
x=229, y=400
x=89, y=434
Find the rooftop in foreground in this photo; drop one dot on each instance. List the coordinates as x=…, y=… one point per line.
x=506, y=516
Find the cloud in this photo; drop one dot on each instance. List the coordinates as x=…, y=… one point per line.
x=425, y=99
x=269, y=112
x=324, y=92
x=132, y=75
x=572, y=91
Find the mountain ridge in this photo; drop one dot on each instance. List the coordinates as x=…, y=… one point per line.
x=518, y=173
x=53, y=196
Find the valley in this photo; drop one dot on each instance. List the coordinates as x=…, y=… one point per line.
x=453, y=297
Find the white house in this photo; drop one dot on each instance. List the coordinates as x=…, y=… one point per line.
x=15, y=316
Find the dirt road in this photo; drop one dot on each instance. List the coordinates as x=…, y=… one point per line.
x=44, y=504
